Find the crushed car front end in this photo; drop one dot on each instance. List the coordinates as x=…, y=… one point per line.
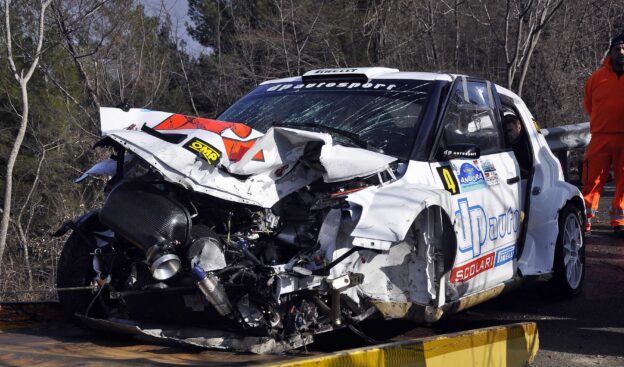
x=285, y=217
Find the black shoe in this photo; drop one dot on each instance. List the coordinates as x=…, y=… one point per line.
x=618, y=231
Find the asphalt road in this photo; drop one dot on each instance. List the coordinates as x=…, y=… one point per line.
x=587, y=330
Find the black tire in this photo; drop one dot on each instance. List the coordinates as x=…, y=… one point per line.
x=569, y=264
x=75, y=269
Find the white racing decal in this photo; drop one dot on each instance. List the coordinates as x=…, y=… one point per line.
x=334, y=71
x=348, y=85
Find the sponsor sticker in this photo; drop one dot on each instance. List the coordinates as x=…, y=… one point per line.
x=489, y=172
x=235, y=148
x=204, y=150
x=470, y=270
x=536, y=126
x=448, y=180
x=487, y=166
x=504, y=255
x=491, y=178
x=470, y=177
x=459, y=153
x=334, y=71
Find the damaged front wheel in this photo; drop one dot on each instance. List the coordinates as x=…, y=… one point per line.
x=75, y=269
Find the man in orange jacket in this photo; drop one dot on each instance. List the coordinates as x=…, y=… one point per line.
x=604, y=102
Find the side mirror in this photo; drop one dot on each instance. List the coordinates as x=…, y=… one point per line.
x=462, y=151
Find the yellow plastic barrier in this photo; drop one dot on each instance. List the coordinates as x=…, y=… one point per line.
x=510, y=345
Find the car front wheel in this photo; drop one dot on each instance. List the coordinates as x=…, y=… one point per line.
x=569, y=266
x=75, y=269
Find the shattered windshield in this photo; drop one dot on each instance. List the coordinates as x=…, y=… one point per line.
x=381, y=115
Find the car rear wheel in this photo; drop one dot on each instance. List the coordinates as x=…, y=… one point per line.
x=569, y=266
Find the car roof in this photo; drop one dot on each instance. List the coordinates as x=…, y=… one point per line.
x=369, y=72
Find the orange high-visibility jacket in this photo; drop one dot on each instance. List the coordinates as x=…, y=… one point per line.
x=604, y=100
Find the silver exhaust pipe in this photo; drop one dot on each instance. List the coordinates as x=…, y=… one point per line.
x=212, y=290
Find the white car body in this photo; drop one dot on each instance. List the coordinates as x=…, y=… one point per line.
x=480, y=203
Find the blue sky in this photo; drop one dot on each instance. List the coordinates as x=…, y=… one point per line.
x=178, y=9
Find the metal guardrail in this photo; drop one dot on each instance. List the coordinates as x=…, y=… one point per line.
x=567, y=137
x=563, y=139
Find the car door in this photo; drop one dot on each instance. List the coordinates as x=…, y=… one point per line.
x=484, y=189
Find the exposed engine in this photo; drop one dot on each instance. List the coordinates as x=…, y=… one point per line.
x=247, y=262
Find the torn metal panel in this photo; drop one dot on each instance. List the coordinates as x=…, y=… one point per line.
x=199, y=337
x=398, y=275
x=107, y=167
x=345, y=163
x=183, y=167
x=388, y=211
x=401, y=310
x=247, y=180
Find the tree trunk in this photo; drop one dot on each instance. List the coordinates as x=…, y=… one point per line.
x=8, y=188
x=22, y=80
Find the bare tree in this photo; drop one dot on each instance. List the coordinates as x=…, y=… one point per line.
x=22, y=77
x=68, y=23
x=534, y=14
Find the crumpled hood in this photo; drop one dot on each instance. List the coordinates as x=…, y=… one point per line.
x=231, y=161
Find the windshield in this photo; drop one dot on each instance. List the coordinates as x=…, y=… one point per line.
x=384, y=114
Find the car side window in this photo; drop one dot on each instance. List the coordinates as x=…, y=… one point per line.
x=471, y=117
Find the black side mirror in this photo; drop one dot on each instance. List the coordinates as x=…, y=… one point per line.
x=462, y=151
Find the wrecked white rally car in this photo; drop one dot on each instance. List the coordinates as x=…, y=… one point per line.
x=317, y=202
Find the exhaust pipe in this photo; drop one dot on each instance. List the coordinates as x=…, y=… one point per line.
x=210, y=287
